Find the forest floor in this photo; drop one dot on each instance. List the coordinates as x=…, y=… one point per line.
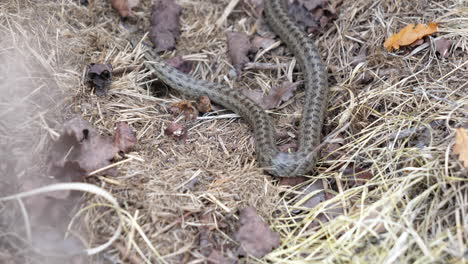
x=387, y=188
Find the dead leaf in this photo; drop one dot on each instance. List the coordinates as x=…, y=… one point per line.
x=262, y=43
x=442, y=46
x=356, y=176
x=180, y=64
x=121, y=6
x=203, y=104
x=409, y=34
x=217, y=257
x=80, y=148
x=280, y=93
x=318, y=197
x=184, y=107
x=238, y=47
x=277, y=95
x=69, y=171
x=124, y=138
x=176, y=131
x=292, y=181
x=99, y=75
x=312, y=15
x=124, y=7
x=461, y=146
x=165, y=26
x=254, y=235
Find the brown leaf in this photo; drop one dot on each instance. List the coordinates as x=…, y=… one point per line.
x=122, y=7
x=124, y=138
x=319, y=196
x=255, y=95
x=254, y=235
x=262, y=43
x=217, y=257
x=80, y=148
x=292, y=181
x=409, y=34
x=99, y=75
x=443, y=46
x=356, y=176
x=96, y=152
x=461, y=146
x=238, y=47
x=176, y=131
x=277, y=95
x=70, y=171
x=312, y=15
x=184, y=107
x=203, y=104
x=280, y=93
x=165, y=26
x=180, y=64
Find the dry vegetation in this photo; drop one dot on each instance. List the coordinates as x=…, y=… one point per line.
x=398, y=111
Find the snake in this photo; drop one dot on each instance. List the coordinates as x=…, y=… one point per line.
x=269, y=157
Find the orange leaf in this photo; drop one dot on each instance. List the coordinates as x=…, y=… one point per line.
x=461, y=146
x=409, y=34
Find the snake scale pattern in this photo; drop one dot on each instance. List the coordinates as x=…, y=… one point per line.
x=275, y=162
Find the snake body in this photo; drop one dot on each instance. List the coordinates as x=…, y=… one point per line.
x=275, y=162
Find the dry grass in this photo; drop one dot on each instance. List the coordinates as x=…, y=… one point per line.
x=399, y=110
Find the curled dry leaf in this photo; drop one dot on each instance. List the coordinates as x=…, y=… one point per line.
x=262, y=42
x=254, y=235
x=184, y=107
x=461, y=146
x=318, y=194
x=176, y=131
x=277, y=95
x=356, y=176
x=312, y=15
x=216, y=257
x=80, y=149
x=203, y=104
x=99, y=75
x=180, y=64
x=124, y=138
x=442, y=46
x=124, y=7
x=238, y=47
x=292, y=181
x=165, y=26
x=409, y=35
